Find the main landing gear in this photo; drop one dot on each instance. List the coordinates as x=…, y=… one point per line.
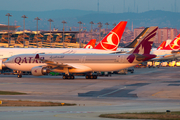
x=91, y=76
x=19, y=74
x=68, y=76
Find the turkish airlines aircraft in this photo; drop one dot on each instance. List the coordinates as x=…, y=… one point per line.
x=112, y=39
x=91, y=44
x=168, y=51
x=41, y=64
x=163, y=45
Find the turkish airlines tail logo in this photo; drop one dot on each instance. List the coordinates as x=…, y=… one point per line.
x=144, y=47
x=162, y=45
x=91, y=44
x=174, y=45
x=111, y=41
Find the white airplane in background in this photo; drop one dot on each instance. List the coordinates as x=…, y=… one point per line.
x=108, y=44
x=41, y=64
x=168, y=50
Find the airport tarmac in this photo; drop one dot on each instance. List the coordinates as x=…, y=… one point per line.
x=148, y=89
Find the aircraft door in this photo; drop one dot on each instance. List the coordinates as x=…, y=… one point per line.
x=122, y=59
x=83, y=59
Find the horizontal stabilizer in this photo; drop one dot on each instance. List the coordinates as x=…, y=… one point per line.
x=176, y=52
x=144, y=57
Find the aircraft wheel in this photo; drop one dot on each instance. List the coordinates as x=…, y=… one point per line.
x=68, y=77
x=87, y=76
x=19, y=76
x=72, y=76
x=64, y=76
x=91, y=77
x=94, y=76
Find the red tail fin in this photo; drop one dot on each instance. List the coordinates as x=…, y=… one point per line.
x=144, y=47
x=162, y=45
x=174, y=45
x=91, y=44
x=111, y=41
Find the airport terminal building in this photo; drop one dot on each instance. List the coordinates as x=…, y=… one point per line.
x=34, y=39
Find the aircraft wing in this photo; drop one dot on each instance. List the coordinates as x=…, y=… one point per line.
x=57, y=65
x=53, y=63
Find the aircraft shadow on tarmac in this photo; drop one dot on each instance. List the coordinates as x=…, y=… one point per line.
x=114, y=91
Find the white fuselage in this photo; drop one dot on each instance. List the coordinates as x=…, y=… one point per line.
x=78, y=62
x=8, y=52
x=158, y=53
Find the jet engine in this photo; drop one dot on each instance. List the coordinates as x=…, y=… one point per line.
x=39, y=71
x=2, y=65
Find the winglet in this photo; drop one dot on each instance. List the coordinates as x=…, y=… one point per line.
x=137, y=39
x=111, y=40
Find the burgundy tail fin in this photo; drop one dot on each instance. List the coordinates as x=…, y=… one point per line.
x=144, y=47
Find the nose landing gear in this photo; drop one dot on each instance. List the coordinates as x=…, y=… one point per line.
x=19, y=74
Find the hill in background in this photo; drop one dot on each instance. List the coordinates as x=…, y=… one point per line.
x=145, y=19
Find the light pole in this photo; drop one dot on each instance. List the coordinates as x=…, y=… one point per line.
x=99, y=25
x=91, y=27
x=114, y=24
x=37, y=29
x=9, y=15
x=64, y=22
x=106, y=27
x=50, y=20
x=23, y=27
x=79, y=33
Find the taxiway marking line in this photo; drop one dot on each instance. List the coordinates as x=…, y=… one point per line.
x=111, y=92
x=156, y=93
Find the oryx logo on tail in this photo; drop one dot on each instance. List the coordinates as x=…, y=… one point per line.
x=111, y=41
x=142, y=50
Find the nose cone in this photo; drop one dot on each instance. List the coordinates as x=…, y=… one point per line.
x=6, y=63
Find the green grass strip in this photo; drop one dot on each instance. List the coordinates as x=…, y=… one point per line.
x=175, y=115
x=11, y=93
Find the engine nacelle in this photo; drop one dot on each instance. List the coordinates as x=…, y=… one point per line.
x=39, y=71
x=2, y=64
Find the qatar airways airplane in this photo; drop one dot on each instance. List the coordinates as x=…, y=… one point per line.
x=109, y=44
x=41, y=64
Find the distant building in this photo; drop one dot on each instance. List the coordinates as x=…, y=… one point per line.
x=5, y=27
x=161, y=35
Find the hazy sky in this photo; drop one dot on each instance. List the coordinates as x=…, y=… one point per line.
x=116, y=6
